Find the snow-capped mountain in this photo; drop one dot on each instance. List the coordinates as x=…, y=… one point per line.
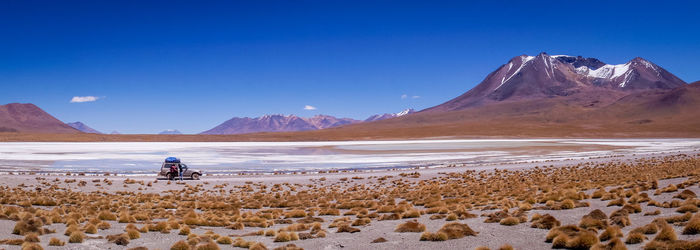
x=388, y=116
x=83, y=128
x=531, y=77
x=170, y=132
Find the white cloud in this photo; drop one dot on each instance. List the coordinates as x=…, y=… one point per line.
x=309, y=107
x=78, y=99
x=404, y=96
x=415, y=96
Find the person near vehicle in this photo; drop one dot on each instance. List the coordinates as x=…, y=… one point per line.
x=173, y=170
x=182, y=168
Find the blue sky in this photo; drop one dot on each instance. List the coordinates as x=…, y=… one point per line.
x=190, y=65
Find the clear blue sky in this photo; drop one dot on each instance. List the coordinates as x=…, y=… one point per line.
x=190, y=65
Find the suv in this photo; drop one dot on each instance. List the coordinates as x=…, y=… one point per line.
x=194, y=174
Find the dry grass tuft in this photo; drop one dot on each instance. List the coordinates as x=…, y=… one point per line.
x=56, y=242
x=119, y=239
x=439, y=236
x=686, y=194
x=506, y=247
x=379, y=240
x=666, y=234
x=29, y=225
x=106, y=215
x=635, y=238
x=289, y=247
x=133, y=234
x=184, y=230
x=610, y=232
x=283, y=237
x=614, y=244
x=655, y=212
x=584, y=240
x=676, y=244
x=545, y=222
x=692, y=208
x=650, y=228
x=225, y=240
x=410, y=226
x=693, y=226
x=345, y=228
x=510, y=221
x=31, y=246
x=90, y=228
x=207, y=246
x=257, y=246
x=456, y=230
x=104, y=225
x=76, y=237
x=31, y=237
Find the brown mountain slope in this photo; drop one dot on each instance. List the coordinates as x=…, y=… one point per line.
x=27, y=117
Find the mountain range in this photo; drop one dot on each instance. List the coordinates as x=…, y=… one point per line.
x=554, y=96
x=170, y=132
x=291, y=123
x=528, y=96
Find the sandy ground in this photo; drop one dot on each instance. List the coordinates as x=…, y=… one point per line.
x=492, y=235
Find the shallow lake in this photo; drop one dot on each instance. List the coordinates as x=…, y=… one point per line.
x=232, y=157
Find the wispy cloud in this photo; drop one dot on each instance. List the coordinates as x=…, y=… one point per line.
x=309, y=107
x=79, y=99
x=405, y=96
x=415, y=96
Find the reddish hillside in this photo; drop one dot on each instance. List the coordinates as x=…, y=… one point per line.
x=19, y=117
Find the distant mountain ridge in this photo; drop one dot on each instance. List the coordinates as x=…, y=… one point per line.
x=291, y=123
x=278, y=123
x=170, y=132
x=27, y=117
x=83, y=128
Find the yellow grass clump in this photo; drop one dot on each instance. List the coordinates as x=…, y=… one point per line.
x=693, y=226
x=119, y=239
x=510, y=221
x=666, y=234
x=410, y=226
x=133, y=233
x=224, y=240
x=207, y=246
x=456, y=230
x=76, y=237
x=545, y=222
x=56, y=242
x=439, y=236
x=635, y=238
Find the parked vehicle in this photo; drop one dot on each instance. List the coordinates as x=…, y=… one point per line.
x=166, y=170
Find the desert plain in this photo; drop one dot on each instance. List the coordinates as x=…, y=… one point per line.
x=621, y=199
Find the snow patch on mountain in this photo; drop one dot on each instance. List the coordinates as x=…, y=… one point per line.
x=524, y=60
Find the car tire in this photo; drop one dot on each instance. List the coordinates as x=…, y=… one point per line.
x=195, y=176
x=171, y=176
